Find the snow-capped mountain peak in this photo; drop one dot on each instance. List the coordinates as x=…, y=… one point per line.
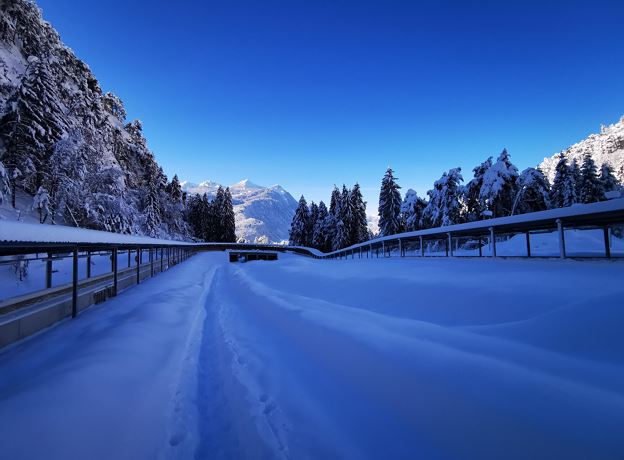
x=260, y=211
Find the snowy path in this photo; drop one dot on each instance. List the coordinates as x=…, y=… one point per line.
x=331, y=359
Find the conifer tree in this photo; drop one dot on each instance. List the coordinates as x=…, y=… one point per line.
x=475, y=204
x=346, y=215
x=533, y=192
x=563, y=189
x=41, y=202
x=389, y=205
x=152, y=210
x=175, y=189
x=5, y=188
x=499, y=187
x=591, y=189
x=319, y=233
x=444, y=207
x=608, y=179
x=228, y=221
x=359, y=223
x=299, y=225
x=312, y=219
x=412, y=211
x=577, y=179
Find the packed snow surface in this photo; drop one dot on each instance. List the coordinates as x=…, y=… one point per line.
x=303, y=358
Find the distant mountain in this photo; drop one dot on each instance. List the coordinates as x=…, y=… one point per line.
x=260, y=211
x=606, y=147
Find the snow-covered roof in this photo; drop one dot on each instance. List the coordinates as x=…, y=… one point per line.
x=20, y=232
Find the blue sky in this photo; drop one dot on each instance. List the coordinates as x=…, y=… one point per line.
x=312, y=93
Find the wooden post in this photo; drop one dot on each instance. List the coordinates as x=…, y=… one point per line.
x=138, y=267
x=422, y=248
x=161, y=260
x=528, y=243
x=129, y=258
x=49, y=271
x=493, y=241
x=607, y=242
x=75, y=284
x=151, y=256
x=480, y=247
x=88, y=264
x=115, y=276
x=446, y=245
x=450, y=243
x=401, y=248
x=562, y=251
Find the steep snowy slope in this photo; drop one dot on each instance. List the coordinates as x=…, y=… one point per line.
x=606, y=147
x=260, y=211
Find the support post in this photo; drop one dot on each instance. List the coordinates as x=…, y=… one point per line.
x=129, y=258
x=75, y=283
x=49, y=271
x=528, y=243
x=115, y=276
x=161, y=260
x=493, y=241
x=607, y=242
x=562, y=251
x=88, y=264
x=151, y=257
x=446, y=245
x=370, y=251
x=450, y=243
x=422, y=248
x=383, y=248
x=480, y=247
x=138, y=267
x=401, y=248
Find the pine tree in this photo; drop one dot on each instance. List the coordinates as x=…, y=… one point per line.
x=563, y=190
x=175, y=189
x=346, y=214
x=359, y=223
x=389, y=205
x=591, y=187
x=444, y=207
x=41, y=202
x=228, y=221
x=319, y=233
x=5, y=187
x=577, y=179
x=475, y=205
x=533, y=192
x=608, y=179
x=312, y=219
x=299, y=225
x=499, y=187
x=152, y=210
x=412, y=211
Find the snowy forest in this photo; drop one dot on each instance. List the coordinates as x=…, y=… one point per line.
x=497, y=189
x=68, y=144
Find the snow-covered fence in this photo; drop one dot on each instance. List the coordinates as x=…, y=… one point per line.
x=526, y=235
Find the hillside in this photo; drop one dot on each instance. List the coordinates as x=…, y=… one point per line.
x=605, y=147
x=260, y=211
x=62, y=136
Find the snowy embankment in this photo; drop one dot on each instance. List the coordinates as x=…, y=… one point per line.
x=303, y=358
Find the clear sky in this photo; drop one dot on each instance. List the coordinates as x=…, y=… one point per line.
x=311, y=93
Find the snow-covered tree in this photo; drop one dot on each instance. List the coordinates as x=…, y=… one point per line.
x=412, y=211
x=113, y=105
x=563, y=189
x=607, y=178
x=312, y=219
x=359, y=223
x=475, y=204
x=174, y=189
x=5, y=187
x=591, y=189
x=298, y=228
x=389, y=205
x=228, y=221
x=444, y=207
x=320, y=238
x=533, y=192
x=41, y=203
x=152, y=211
x=577, y=178
x=499, y=187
